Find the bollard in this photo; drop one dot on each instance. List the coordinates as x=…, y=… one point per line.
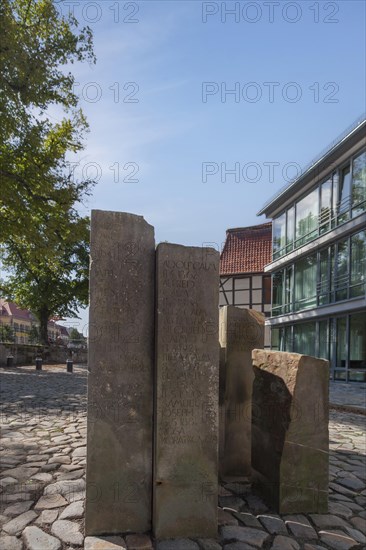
x=69, y=364
x=10, y=361
x=38, y=363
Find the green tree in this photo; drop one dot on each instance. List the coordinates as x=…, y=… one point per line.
x=51, y=279
x=6, y=333
x=37, y=46
x=34, y=335
x=44, y=241
x=75, y=334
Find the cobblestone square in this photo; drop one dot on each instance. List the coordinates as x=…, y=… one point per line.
x=42, y=479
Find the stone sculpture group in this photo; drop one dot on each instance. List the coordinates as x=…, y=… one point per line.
x=178, y=395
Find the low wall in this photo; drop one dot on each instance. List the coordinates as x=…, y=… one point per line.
x=25, y=354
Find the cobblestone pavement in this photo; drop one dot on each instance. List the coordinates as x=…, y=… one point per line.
x=42, y=480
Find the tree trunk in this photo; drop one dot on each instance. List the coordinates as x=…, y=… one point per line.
x=43, y=316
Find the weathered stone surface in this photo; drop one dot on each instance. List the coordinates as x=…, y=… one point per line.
x=18, y=508
x=308, y=546
x=47, y=502
x=251, y=536
x=238, y=546
x=360, y=524
x=22, y=473
x=47, y=516
x=138, y=542
x=249, y=520
x=340, y=510
x=74, y=510
x=43, y=476
x=64, y=487
x=35, y=539
x=104, y=543
x=241, y=331
x=79, y=452
x=187, y=380
x=16, y=525
x=10, y=543
x=233, y=502
x=328, y=521
x=337, y=540
x=300, y=527
x=208, y=544
x=120, y=386
x=274, y=525
x=177, y=544
x=67, y=531
x=357, y=535
x=60, y=460
x=225, y=518
x=8, y=481
x=284, y=543
x=290, y=439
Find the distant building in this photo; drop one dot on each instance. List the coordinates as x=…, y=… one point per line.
x=20, y=321
x=318, y=265
x=243, y=281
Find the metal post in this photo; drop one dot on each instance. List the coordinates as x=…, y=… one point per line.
x=69, y=365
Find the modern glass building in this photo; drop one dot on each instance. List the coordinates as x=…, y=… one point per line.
x=318, y=265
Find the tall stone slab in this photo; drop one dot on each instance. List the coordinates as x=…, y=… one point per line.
x=187, y=391
x=120, y=382
x=290, y=438
x=241, y=331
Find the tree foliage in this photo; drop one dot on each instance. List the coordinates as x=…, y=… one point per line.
x=44, y=240
x=6, y=333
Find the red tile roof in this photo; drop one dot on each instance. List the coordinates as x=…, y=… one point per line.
x=247, y=249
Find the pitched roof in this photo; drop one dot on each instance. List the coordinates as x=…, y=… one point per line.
x=11, y=309
x=247, y=249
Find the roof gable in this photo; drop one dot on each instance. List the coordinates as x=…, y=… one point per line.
x=247, y=249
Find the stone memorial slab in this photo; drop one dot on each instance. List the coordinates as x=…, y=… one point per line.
x=241, y=331
x=187, y=392
x=290, y=439
x=120, y=383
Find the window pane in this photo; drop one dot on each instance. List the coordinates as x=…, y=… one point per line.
x=357, y=360
x=279, y=236
x=359, y=184
x=290, y=230
x=288, y=289
x=325, y=205
x=341, y=275
x=307, y=218
x=275, y=339
x=323, y=340
x=304, y=338
x=341, y=343
x=324, y=277
x=305, y=283
x=344, y=195
x=277, y=293
x=358, y=264
x=288, y=339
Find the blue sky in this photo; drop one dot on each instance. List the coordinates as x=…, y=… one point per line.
x=160, y=110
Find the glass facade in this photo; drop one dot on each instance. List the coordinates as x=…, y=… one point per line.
x=341, y=340
x=338, y=198
x=332, y=274
x=304, y=286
